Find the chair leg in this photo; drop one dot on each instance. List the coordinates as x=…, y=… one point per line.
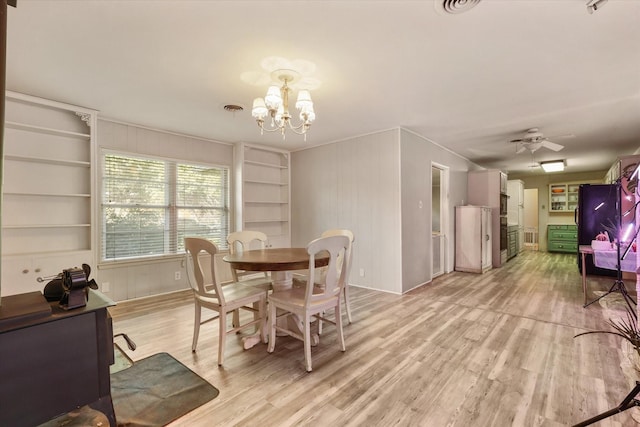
x=262, y=311
x=346, y=302
x=272, y=327
x=339, y=326
x=236, y=319
x=307, y=342
x=222, y=337
x=196, y=326
x=256, y=313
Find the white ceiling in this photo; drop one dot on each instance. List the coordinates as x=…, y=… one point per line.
x=470, y=81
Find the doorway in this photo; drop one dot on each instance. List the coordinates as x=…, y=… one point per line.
x=439, y=215
x=531, y=231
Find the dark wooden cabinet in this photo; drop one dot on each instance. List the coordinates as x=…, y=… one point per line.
x=512, y=248
x=53, y=363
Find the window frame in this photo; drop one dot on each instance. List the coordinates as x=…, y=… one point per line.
x=170, y=207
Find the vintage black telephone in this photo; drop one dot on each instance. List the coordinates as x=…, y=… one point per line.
x=70, y=287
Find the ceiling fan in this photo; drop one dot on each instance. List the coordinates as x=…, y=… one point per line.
x=533, y=140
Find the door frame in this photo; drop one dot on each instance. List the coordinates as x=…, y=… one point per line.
x=444, y=218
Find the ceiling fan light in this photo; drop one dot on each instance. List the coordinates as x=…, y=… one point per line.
x=553, y=166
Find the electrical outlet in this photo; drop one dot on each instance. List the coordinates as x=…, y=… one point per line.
x=105, y=287
x=178, y=275
x=362, y=272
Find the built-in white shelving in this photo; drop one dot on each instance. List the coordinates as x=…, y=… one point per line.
x=263, y=192
x=47, y=210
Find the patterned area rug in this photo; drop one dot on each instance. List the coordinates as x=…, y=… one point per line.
x=152, y=392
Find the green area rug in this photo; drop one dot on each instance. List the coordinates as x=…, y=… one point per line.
x=152, y=392
x=157, y=390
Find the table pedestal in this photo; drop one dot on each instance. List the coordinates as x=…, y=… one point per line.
x=281, y=262
x=282, y=281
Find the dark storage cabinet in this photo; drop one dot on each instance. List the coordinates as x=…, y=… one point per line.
x=56, y=361
x=512, y=238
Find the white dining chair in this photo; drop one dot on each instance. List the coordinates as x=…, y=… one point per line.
x=221, y=299
x=342, y=259
x=311, y=301
x=240, y=241
x=301, y=275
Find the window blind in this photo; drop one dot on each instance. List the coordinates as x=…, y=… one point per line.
x=150, y=205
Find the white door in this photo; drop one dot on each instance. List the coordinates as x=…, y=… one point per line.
x=531, y=229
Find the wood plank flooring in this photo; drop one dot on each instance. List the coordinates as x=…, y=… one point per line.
x=466, y=350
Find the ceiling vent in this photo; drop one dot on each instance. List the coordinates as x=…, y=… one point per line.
x=456, y=6
x=233, y=108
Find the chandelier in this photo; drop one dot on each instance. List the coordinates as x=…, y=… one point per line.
x=275, y=105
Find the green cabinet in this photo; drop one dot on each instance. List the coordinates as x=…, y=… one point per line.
x=562, y=238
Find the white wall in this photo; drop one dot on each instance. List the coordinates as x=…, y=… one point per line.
x=417, y=156
x=372, y=185
x=353, y=184
x=143, y=278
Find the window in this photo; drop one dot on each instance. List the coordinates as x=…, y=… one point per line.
x=150, y=205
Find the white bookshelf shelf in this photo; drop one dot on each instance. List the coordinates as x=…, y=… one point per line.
x=45, y=130
x=268, y=165
x=17, y=193
x=46, y=226
x=267, y=202
x=255, y=181
x=43, y=160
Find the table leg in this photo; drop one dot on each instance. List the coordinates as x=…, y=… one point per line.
x=250, y=340
x=584, y=278
x=282, y=280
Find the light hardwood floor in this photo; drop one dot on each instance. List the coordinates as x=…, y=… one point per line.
x=466, y=350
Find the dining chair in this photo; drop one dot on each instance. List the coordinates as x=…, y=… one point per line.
x=240, y=241
x=311, y=301
x=221, y=299
x=245, y=240
x=341, y=259
x=321, y=271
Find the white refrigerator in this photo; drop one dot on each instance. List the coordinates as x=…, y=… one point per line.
x=473, y=239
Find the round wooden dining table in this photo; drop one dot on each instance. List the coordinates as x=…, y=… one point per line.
x=279, y=261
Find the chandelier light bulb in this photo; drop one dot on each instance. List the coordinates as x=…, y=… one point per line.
x=308, y=115
x=273, y=98
x=259, y=110
x=279, y=114
x=304, y=101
